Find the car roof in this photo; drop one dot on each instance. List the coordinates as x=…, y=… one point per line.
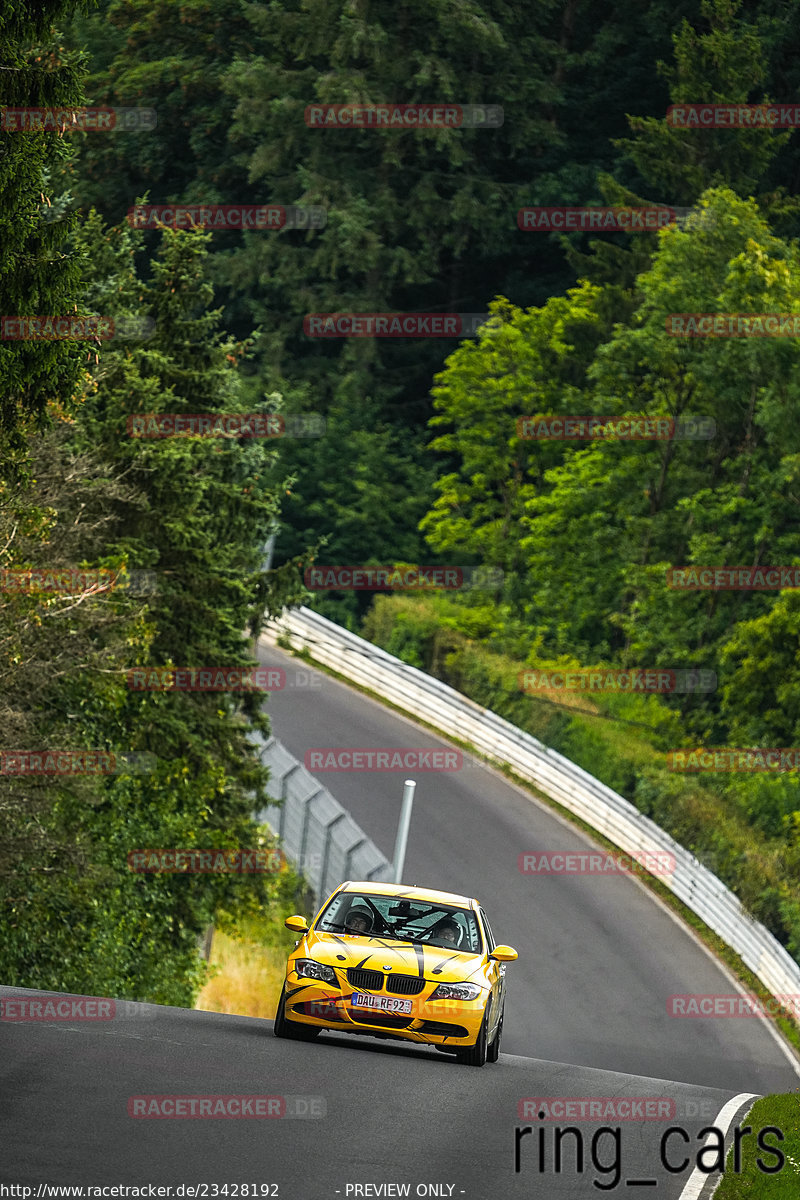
x=370, y=887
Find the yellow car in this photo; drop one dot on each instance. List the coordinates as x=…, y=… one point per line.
x=391, y=961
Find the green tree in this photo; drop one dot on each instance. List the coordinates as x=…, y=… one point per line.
x=416, y=221
x=196, y=512
x=725, y=64
x=147, y=54
x=761, y=693
x=524, y=363
x=36, y=276
x=205, y=505
x=622, y=512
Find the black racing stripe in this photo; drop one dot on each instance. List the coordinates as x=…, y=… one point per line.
x=419, y=950
x=336, y=938
x=369, y=956
x=438, y=970
x=301, y=987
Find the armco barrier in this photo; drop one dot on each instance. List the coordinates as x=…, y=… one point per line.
x=320, y=838
x=445, y=709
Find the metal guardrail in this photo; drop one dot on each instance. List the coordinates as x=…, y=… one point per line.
x=318, y=835
x=603, y=809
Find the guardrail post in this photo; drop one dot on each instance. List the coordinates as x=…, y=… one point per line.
x=349, y=856
x=290, y=772
x=284, y=798
x=301, y=853
x=326, y=852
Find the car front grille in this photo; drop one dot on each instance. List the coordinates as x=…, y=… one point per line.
x=373, y=980
x=404, y=985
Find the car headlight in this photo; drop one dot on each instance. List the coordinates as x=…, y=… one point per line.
x=456, y=991
x=314, y=970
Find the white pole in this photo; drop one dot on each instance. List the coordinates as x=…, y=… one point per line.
x=402, y=830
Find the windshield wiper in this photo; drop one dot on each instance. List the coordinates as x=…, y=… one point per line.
x=331, y=926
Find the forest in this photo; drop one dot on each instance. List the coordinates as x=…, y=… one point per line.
x=399, y=451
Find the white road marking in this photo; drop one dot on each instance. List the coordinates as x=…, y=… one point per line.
x=698, y=1179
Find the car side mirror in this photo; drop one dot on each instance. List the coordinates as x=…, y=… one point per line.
x=504, y=954
x=299, y=924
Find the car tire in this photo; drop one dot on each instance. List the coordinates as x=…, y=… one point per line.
x=282, y=1027
x=493, y=1053
x=475, y=1056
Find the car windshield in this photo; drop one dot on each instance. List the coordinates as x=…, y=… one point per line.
x=398, y=919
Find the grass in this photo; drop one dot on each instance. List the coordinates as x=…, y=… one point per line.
x=248, y=966
x=752, y=1183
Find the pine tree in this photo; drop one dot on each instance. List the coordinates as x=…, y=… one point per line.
x=37, y=278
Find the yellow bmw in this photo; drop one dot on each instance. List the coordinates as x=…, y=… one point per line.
x=391, y=961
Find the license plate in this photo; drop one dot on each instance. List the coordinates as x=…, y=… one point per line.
x=381, y=1003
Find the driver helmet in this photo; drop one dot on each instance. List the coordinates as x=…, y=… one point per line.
x=359, y=914
x=451, y=926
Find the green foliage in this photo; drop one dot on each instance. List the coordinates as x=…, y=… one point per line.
x=36, y=277
x=523, y=362
x=761, y=694
x=723, y=65
x=416, y=221
x=586, y=532
x=196, y=512
x=420, y=221
x=746, y=830
x=147, y=54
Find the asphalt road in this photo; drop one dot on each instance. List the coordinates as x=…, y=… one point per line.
x=383, y=1114
x=598, y=956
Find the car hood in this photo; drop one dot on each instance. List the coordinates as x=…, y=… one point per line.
x=380, y=954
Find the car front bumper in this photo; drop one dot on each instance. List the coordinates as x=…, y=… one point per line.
x=453, y=1023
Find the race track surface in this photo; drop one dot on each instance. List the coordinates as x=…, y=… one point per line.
x=387, y=1114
